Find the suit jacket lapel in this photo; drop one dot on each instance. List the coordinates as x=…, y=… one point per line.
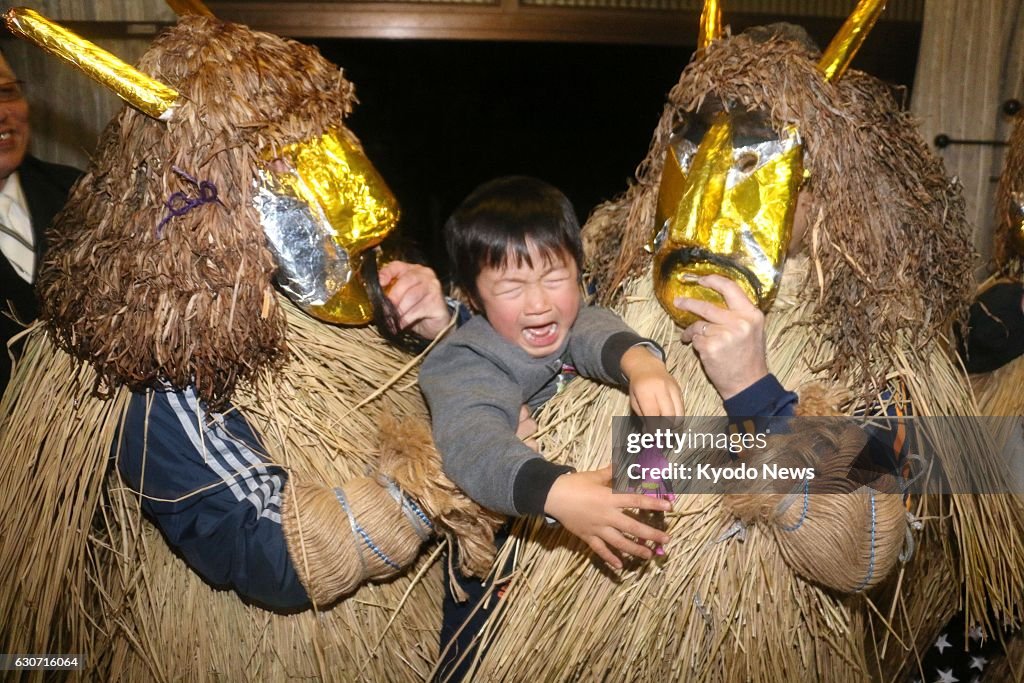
x=44, y=199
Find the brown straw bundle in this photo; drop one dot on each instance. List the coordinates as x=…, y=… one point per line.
x=1011, y=182
x=340, y=548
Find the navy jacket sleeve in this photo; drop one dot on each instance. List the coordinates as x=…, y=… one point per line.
x=205, y=485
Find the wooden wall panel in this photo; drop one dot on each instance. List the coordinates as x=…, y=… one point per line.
x=971, y=61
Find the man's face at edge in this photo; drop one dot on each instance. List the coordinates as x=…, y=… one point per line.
x=14, y=127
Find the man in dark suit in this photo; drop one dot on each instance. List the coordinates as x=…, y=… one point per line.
x=31, y=193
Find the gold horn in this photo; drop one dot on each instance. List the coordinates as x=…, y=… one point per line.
x=149, y=96
x=851, y=36
x=183, y=7
x=710, y=24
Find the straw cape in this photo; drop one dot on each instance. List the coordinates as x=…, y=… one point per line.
x=885, y=270
x=131, y=300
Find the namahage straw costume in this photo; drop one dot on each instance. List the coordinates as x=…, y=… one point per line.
x=751, y=590
x=997, y=335
x=232, y=165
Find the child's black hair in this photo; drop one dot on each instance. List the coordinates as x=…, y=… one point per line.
x=492, y=227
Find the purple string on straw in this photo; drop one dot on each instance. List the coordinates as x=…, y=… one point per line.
x=180, y=203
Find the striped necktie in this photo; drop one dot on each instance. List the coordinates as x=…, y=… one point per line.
x=16, y=238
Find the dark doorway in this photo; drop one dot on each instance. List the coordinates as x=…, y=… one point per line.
x=437, y=118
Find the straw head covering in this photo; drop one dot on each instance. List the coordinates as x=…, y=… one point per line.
x=145, y=294
x=887, y=233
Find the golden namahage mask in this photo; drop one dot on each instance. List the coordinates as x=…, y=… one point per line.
x=1016, y=228
x=725, y=206
x=322, y=204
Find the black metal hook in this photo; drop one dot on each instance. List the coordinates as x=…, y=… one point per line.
x=1011, y=107
x=942, y=140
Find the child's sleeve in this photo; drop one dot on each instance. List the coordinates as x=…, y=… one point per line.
x=598, y=341
x=474, y=409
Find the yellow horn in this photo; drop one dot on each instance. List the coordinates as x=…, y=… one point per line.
x=710, y=24
x=850, y=37
x=149, y=96
x=182, y=7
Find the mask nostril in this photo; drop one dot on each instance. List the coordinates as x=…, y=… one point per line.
x=747, y=162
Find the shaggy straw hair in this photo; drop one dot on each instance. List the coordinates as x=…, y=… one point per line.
x=888, y=267
x=888, y=237
x=191, y=302
x=1011, y=180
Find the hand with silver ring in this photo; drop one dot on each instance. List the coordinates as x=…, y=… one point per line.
x=735, y=357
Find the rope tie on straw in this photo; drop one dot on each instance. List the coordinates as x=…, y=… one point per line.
x=803, y=514
x=180, y=203
x=738, y=529
x=359, y=531
x=905, y=484
x=418, y=519
x=871, y=558
x=703, y=611
x=913, y=524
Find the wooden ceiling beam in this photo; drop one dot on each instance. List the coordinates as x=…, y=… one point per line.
x=502, y=20
x=458, y=21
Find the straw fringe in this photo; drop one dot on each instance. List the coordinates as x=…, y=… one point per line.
x=118, y=595
x=56, y=442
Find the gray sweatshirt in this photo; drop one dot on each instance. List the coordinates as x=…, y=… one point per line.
x=475, y=382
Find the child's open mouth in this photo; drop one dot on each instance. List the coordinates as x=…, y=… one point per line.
x=544, y=335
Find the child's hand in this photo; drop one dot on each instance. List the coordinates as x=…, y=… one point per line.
x=653, y=392
x=416, y=293
x=585, y=505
